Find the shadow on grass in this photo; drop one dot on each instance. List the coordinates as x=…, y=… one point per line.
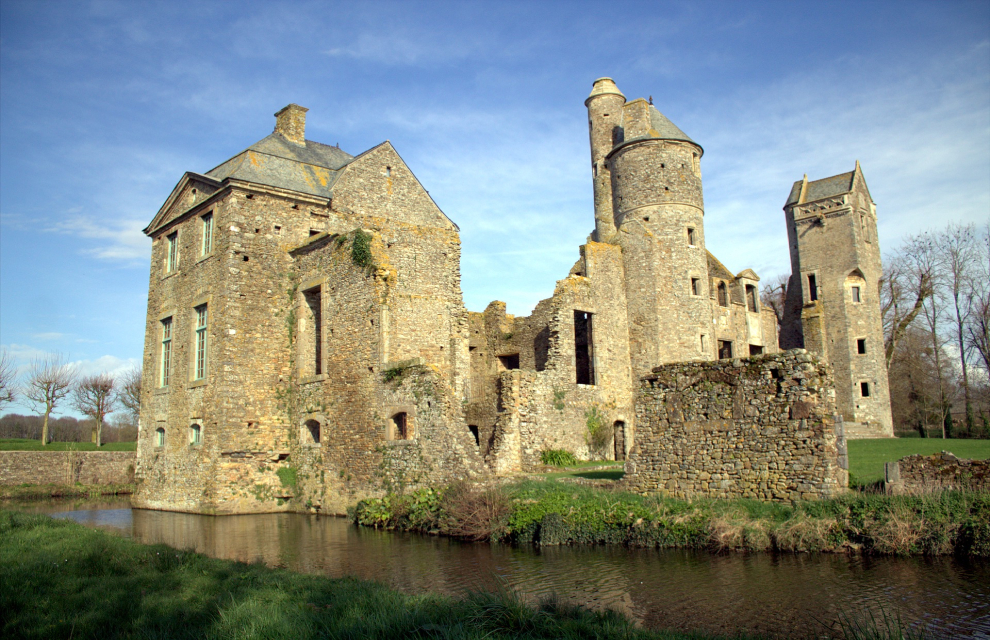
x=600, y=475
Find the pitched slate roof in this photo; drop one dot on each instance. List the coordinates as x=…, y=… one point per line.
x=276, y=162
x=666, y=129
x=824, y=188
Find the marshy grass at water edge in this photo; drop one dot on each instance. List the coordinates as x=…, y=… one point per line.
x=549, y=512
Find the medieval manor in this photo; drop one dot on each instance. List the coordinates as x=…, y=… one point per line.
x=307, y=343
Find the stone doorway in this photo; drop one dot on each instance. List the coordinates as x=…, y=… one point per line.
x=620, y=440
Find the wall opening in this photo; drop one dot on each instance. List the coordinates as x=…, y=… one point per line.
x=159, y=437
x=584, y=348
x=311, y=432
x=723, y=295
x=861, y=346
x=508, y=362
x=473, y=428
x=400, y=426
x=541, y=348
x=195, y=435
x=812, y=287
x=856, y=295
x=313, y=339
x=696, y=286
x=691, y=236
x=620, y=439
x=864, y=389
x=724, y=349
x=751, y=298
x=755, y=350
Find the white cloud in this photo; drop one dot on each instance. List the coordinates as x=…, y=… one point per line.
x=51, y=335
x=119, y=239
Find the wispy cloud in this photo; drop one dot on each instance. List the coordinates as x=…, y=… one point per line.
x=46, y=337
x=119, y=239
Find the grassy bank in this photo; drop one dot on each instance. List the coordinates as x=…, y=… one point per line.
x=61, y=580
x=23, y=444
x=866, y=457
x=45, y=491
x=550, y=512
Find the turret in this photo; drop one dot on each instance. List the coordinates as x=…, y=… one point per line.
x=605, y=127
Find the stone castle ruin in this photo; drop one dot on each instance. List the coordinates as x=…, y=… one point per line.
x=307, y=343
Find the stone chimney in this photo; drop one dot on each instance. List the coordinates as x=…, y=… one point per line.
x=291, y=123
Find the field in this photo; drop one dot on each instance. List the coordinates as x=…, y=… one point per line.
x=866, y=457
x=21, y=444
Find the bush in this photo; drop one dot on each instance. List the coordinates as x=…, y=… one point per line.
x=558, y=458
x=599, y=431
x=361, y=250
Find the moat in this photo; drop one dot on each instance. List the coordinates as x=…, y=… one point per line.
x=783, y=595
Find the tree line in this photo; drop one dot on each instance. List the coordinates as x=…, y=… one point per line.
x=935, y=304
x=51, y=384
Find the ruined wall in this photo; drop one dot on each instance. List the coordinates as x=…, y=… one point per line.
x=761, y=428
x=942, y=471
x=66, y=467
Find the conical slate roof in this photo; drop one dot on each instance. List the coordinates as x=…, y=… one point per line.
x=665, y=129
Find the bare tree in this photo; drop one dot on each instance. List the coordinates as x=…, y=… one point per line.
x=96, y=397
x=8, y=379
x=49, y=382
x=904, y=288
x=130, y=392
x=773, y=295
x=958, y=244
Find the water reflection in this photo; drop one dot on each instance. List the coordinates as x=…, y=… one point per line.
x=783, y=595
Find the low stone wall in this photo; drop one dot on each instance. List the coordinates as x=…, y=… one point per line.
x=66, y=467
x=924, y=474
x=762, y=428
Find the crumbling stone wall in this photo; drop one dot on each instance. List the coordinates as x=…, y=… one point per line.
x=761, y=427
x=941, y=471
x=66, y=467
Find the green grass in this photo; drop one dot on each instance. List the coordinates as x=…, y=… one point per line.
x=46, y=491
x=866, y=457
x=23, y=444
x=59, y=579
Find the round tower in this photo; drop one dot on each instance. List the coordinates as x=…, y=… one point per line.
x=605, y=127
x=658, y=211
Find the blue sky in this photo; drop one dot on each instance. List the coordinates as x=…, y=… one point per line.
x=103, y=106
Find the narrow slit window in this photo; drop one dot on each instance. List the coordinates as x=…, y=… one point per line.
x=207, y=247
x=812, y=287
x=696, y=286
x=691, y=236
x=723, y=295
x=584, y=348
x=195, y=435
x=864, y=389
x=703, y=344
x=751, y=298
x=861, y=346
x=159, y=437
x=201, y=322
x=166, y=359
x=856, y=295
x=314, y=334
x=172, y=252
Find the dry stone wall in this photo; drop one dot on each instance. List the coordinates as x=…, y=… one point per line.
x=761, y=427
x=66, y=467
x=941, y=471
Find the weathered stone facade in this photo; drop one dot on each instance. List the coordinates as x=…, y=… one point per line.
x=66, y=467
x=763, y=427
x=920, y=474
x=833, y=296
x=307, y=343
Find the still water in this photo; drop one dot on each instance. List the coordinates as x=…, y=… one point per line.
x=777, y=595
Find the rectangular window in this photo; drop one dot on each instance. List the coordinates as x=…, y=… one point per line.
x=313, y=338
x=864, y=389
x=751, y=298
x=691, y=236
x=172, y=257
x=812, y=287
x=584, y=348
x=704, y=344
x=724, y=349
x=696, y=286
x=855, y=295
x=755, y=350
x=508, y=362
x=201, y=319
x=861, y=346
x=166, y=363
x=207, y=234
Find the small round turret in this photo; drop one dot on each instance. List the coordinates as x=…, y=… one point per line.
x=605, y=126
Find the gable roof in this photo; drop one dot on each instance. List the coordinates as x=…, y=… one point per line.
x=824, y=188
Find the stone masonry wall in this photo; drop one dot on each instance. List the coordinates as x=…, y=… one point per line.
x=66, y=467
x=760, y=427
x=941, y=471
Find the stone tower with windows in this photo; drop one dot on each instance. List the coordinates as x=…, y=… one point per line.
x=833, y=305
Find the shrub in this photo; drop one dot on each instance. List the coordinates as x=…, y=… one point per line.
x=599, y=432
x=474, y=513
x=361, y=250
x=558, y=458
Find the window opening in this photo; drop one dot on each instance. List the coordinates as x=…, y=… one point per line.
x=704, y=344
x=696, y=286
x=620, y=439
x=473, y=428
x=856, y=295
x=313, y=232
x=691, y=236
x=159, y=437
x=861, y=346
x=724, y=349
x=584, y=351
x=195, y=435
x=172, y=255
x=751, y=298
x=207, y=234
x=755, y=350
x=812, y=287
x=314, y=336
x=509, y=362
x=723, y=295
x=400, y=426
x=166, y=350
x=201, y=318
x=864, y=389
x=311, y=431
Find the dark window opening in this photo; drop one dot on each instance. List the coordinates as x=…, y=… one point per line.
x=696, y=286
x=751, y=298
x=400, y=426
x=314, y=300
x=510, y=361
x=541, y=348
x=620, y=440
x=690, y=234
x=856, y=295
x=313, y=232
x=312, y=429
x=724, y=349
x=584, y=352
x=723, y=295
x=864, y=389
x=474, y=432
x=755, y=350
x=812, y=287
x=861, y=346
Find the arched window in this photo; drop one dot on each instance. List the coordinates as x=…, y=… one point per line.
x=159, y=437
x=195, y=435
x=723, y=295
x=855, y=286
x=751, y=298
x=400, y=426
x=311, y=432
